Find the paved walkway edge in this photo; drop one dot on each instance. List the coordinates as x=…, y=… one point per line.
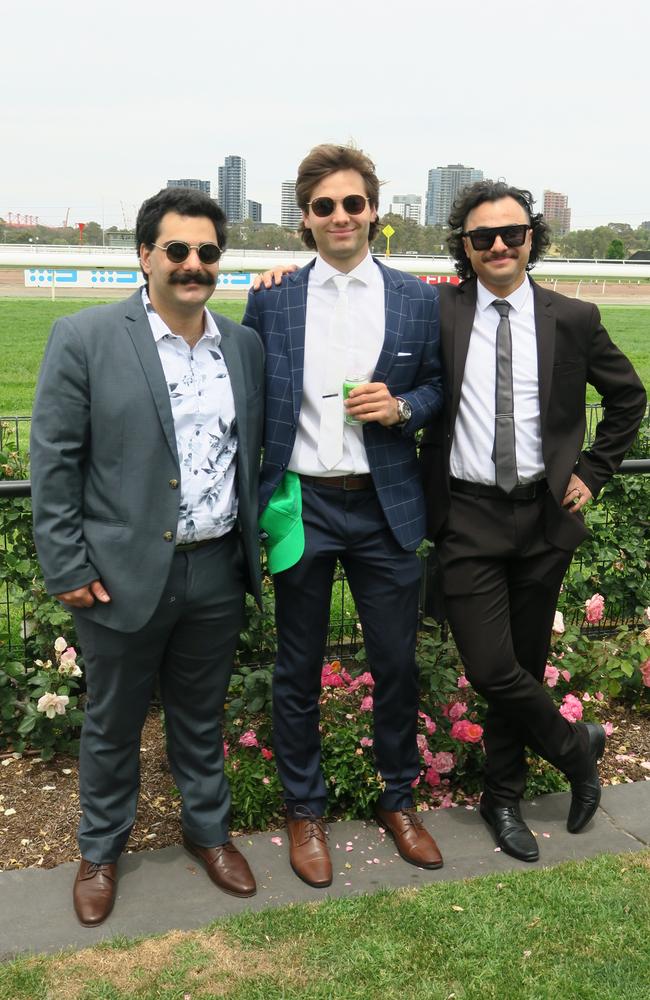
x=167, y=890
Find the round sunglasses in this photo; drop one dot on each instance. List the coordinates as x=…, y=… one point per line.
x=177, y=251
x=483, y=239
x=353, y=204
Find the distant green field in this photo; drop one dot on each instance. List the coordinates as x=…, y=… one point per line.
x=25, y=323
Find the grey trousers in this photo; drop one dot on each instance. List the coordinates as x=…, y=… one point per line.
x=188, y=646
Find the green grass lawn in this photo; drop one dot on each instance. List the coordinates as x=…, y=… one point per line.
x=575, y=932
x=25, y=324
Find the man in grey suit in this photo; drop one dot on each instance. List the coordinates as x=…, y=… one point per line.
x=146, y=436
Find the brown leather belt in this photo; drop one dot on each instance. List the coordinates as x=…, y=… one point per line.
x=363, y=482
x=526, y=491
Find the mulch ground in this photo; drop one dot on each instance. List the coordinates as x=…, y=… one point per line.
x=39, y=804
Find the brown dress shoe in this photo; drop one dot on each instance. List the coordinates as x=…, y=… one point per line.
x=308, y=851
x=226, y=866
x=94, y=891
x=413, y=842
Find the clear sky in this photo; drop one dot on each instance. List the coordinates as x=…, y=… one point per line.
x=101, y=103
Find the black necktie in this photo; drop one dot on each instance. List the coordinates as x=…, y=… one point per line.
x=504, y=456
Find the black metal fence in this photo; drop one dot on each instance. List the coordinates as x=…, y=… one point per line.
x=344, y=636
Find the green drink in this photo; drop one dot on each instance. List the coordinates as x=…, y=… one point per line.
x=349, y=383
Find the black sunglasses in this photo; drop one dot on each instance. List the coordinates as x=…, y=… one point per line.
x=177, y=251
x=483, y=239
x=353, y=204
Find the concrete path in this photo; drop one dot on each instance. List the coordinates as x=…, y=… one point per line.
x=165, y=890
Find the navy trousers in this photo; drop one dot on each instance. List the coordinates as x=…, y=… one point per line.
x=384, y=580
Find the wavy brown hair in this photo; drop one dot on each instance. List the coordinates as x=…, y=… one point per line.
x=473, y=196
x=327, y=159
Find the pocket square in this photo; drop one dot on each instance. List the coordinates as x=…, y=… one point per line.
x=404, y=354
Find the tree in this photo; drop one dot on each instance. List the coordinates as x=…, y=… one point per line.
x=616, y=250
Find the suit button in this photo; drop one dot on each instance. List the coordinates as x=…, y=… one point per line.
x=173, y=483
x=168, y=536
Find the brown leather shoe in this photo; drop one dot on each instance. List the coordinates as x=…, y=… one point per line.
x=414, y=843
x=308, y=851
x=226, y=866
x=94, y=891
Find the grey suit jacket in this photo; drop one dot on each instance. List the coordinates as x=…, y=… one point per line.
x=104, y=465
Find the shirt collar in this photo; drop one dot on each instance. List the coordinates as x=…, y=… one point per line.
x=517, y=299
x=365, y=272
x=160, y=329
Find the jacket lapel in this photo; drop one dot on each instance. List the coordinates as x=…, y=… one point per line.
x=456, y=339
x=140, y=333
x=545, y=327
x=293, y=305
x=232, y=357
x=395, y=315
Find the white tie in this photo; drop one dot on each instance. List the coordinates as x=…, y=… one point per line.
x=330, y=433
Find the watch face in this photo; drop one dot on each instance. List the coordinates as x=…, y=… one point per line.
x=404, y=410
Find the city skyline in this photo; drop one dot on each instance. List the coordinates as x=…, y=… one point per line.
x=101, y=128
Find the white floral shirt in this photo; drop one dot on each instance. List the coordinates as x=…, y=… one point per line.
x=203, y=409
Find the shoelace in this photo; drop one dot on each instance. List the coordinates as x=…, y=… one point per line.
x=412, y=817
x=316, y=827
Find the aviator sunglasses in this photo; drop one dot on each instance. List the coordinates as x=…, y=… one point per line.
x=177, y=251
x=483, y=239
x=353, y=204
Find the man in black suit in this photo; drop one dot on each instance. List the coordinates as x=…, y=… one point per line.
x=506, y=480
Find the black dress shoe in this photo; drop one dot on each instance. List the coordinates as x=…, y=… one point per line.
x=585, y=794
x=511, y=833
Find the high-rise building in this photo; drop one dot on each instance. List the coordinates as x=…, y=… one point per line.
x=191, y=182
x=557, y=213
x=254, y=210
x=232, y=188
x=444, y=185
x=290, y=214
x=409, y=206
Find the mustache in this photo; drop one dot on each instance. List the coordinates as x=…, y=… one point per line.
x=191, y=277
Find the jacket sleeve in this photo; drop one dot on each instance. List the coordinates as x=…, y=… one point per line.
x=60, y=434
x=624, y=402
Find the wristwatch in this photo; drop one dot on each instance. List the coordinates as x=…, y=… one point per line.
x=404, y=411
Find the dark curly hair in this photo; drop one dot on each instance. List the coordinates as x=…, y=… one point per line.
x=327, y=159
x=473, y=196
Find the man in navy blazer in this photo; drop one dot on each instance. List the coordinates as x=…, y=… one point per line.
x=362, y=501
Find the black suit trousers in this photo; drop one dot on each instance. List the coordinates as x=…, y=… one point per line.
x=501, y=579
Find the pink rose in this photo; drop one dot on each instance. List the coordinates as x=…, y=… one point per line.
x=226, y=749
x=446, y=802
x=571, y=708
x=365, y=741
x=266, y=754
x=457, y=710
x=466, y=731
x=366, y=703
x=645, y=672
x=558, y=623
x=249, y=739
x=609, y=728
x=427, y=757
x=551, y=675
x=594, y=608
x=429, y=724
x=432, y=777
x=331, y=678
x=443, y=762
x=362, y=679
x=423, y=746
x=565, y=675
x=462, y=682
x=599, y=696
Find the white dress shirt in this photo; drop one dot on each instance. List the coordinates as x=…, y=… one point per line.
x=203, y=409
x=471, y=452
x=367, y=322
